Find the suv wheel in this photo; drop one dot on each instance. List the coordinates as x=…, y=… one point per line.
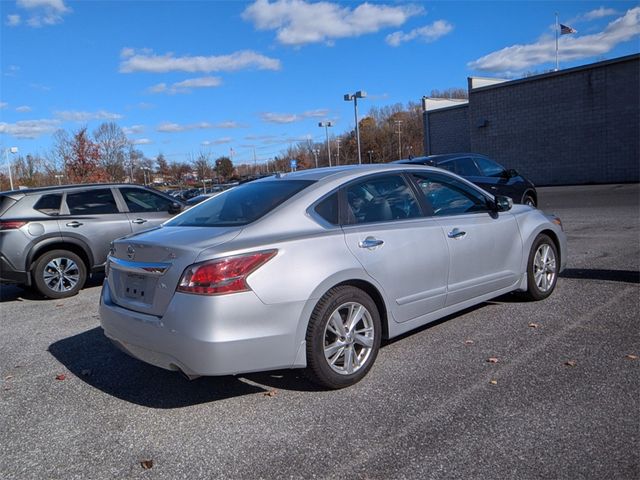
x=59, y=274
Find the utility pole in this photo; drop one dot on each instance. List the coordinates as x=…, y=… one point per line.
x=315, y=154
x=399, y=123
x=338, y=157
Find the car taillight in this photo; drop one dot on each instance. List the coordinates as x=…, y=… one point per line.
x=223, y=275
x=11, y=224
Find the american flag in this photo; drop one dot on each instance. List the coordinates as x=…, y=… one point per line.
x=566, y=30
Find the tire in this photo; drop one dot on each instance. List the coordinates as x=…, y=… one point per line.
x=339, y=357
x=542, y=268
x=528, y=200
x=59, y=274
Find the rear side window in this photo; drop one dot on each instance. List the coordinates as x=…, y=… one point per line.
x=139, y=200
x=328, y=209
x=241, y=205
x=92, y=202
x=49, y=204
x=381, y=199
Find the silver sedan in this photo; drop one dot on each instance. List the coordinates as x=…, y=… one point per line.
x=312, y=269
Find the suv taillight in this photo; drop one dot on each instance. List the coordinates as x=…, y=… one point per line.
x=11, y=224
x=223, y=275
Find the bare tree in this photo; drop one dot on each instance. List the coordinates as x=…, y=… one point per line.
x=112, y=146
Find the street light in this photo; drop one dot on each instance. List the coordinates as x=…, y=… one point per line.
x=13, y=150
x=315, y=154
x=326, y=126
x=355, y=96
x=399, y=123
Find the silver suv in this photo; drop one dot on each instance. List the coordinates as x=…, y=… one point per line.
x=52, y=237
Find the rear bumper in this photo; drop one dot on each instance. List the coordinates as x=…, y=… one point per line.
x=9, y=274
x=202, y=335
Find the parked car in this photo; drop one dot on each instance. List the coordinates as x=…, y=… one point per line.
x=485, y=173
x=201, y=198
x=52, y=237
x=313, y=269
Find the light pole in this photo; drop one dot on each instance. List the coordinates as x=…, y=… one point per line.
x=355, y=96
x=338, y=155
x=399, y=123
x=315, y=154
x=13, y=150
x=326, y=126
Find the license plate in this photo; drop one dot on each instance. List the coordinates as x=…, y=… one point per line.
x=135, y=286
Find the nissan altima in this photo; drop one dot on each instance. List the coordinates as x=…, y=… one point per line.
x=312, y=269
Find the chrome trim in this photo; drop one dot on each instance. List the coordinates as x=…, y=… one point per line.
x=141, y=268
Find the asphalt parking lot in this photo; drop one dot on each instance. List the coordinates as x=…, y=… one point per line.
x=562, y=401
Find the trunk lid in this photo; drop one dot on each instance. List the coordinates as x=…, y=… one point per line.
x=144, y=269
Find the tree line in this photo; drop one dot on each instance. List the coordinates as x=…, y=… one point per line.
x=106, y=155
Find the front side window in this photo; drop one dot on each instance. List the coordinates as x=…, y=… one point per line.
x=49, y=204
x=449, y=196
x=465, y=167
x=381, y=199
x=92, y=202
x=241, y=205
x=143, y=201
x=489, y=168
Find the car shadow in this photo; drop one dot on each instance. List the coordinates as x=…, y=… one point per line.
x=624, y=276
x=92, y=358
x=12, y=292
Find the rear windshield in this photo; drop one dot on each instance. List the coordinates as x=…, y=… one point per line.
x=241, y=205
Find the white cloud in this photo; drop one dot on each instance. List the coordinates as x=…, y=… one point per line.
x=11, y=71
x=186, y=85
x=228, y=124
x=168, y=127
x=428, y=33
x=142, y=141
x=74, y=116
x=271, y=117
x=600, y=13
x=519, y=58
x=3, y=105
x=219, y=141
x=146, y=61
x=13, y=20
x=43, y=12
x=23, y=109
x=29, y=128
x=298, y=22
x=133, y=130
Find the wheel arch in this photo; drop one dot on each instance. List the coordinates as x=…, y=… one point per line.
x=532, y=193
x=556, y=241
x=70, y=245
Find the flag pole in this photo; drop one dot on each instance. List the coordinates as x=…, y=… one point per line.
x=557, y=41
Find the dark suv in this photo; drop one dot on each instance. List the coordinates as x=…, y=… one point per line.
x=484, y=172
x=52, y=237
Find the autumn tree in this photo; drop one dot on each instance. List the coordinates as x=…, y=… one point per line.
x=83, y=166
x=113, y=147
x=202, y=166
x=179, y=172
x=162, y=167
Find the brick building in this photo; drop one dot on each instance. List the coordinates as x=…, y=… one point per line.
x=575, y=126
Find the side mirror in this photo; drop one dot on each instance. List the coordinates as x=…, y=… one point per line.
x=503, y=204
x=175, y=208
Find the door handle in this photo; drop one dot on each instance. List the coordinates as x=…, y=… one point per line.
x=138, y=221
x=456, y=233
x=74, y=224
x=370, y=242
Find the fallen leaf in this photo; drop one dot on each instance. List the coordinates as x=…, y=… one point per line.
x=534, y=325
x=8, y=377
x=61, y=376
x=469, y=342
x=493, y=382
x=59, y=304
x=571, y=363
x=631, y=357
x=147, y=464
x=271, y=393
x=492, y=360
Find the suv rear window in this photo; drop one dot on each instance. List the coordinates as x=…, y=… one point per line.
x=240, y=205
x=49, y=204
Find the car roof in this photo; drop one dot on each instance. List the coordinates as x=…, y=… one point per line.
x=439, y=158
x=53, y=188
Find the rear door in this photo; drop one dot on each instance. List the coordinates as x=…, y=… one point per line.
x=402, y=250
x=146, y=209
x=485, y=247
x=92, y=216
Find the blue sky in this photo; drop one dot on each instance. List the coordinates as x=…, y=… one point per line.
x=183, y=77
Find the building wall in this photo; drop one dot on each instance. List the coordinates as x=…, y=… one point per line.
x=448, y=130
x=575, y=126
